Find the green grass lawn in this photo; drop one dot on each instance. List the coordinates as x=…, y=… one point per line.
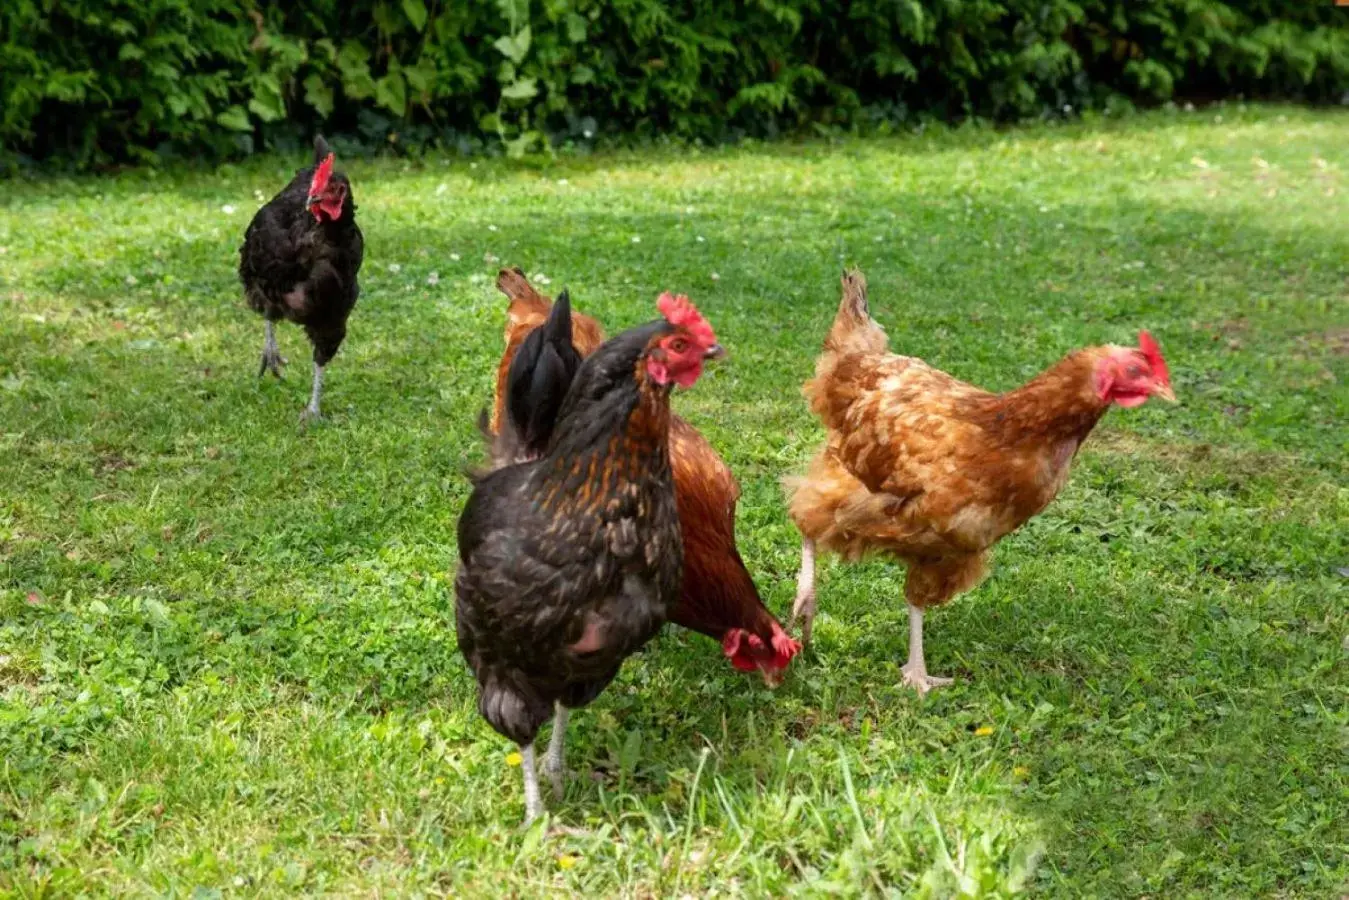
x=227, y=655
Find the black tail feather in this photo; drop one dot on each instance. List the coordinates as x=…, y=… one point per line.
x=536, y=385
x=320, y=149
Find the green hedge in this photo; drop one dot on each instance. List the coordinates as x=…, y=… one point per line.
x=92, y=82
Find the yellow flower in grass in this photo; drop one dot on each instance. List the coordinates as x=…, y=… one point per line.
x=983, y=731
x=514, y=758
x=566, y=862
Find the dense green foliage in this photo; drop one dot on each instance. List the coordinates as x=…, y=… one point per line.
x=94, y=81
x=227, y=656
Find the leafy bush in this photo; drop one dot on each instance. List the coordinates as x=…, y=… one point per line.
x=98, y=82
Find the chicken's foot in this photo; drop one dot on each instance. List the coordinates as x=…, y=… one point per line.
x=915, y=670
x=311, y=412
x=272, y=360
x=533, y=805
x=552, y=764
x=804, y=607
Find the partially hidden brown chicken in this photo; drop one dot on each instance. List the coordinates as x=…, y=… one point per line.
x=934, y=471
x=718, y=597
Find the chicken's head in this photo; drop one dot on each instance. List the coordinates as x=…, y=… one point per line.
x=1129, y=376
x=748, y=652
x=327, y=191
x=678, y=355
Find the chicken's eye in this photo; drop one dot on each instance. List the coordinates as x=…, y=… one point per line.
x=1135, y=371
x=678, y=345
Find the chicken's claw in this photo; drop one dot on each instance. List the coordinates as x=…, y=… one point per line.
x=917, y=678
x=272, y=361
x=804, y=610
x=557, y=778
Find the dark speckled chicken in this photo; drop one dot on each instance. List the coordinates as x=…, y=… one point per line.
x=569, y=563
x=719, y=598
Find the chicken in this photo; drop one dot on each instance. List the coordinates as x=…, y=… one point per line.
x=569, y=563
x=299, y=262
x=934, y=471
x=719, y=598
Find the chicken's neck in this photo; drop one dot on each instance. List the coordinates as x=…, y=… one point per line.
x=648, y=424
x=336, y=229
x=719, y=594
x=623, y=439
x=1059, y=405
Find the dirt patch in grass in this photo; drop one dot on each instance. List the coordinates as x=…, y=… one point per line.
x=1201, y=459
x=1336, y=341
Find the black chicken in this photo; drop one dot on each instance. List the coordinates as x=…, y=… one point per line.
x=299, y=261
x=568, y=563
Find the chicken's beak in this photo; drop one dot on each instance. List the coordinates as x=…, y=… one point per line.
x=716, y=351
x=1164, y=391
x=312, y=201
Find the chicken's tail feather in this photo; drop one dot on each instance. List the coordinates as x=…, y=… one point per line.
x=537, y=383
x=854, y=331
x=515, y=285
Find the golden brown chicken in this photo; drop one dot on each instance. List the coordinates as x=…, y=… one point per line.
x=718, y=597
x=935, y=471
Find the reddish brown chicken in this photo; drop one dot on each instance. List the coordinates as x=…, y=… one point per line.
x=935, y=471
x=719, y=598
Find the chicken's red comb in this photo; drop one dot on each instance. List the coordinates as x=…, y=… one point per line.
x=679, y=310
x=322, y=172
x=784, y=648
x=1153, y=353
